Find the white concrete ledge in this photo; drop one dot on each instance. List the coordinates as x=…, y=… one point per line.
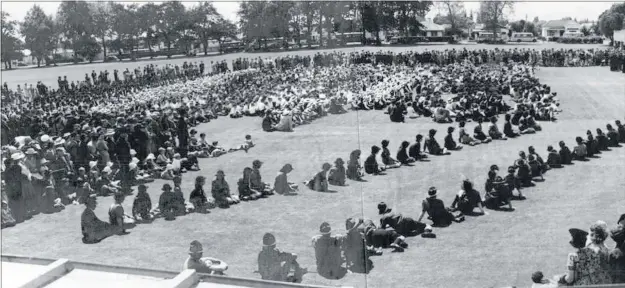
x=186, y=279
x=53, y=271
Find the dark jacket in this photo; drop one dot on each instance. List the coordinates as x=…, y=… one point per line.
x=122, y=150
x=371, y=165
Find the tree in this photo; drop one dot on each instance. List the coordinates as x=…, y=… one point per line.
x=493, y=14
x=454, y=14
x=523, y=26
x=37, y=29
x=88, y=48
x=611, y=20
x=254, y=21
x=171, y=18
x=148, y=19
x=75, y=20
x=222, y=30
x=585, y=31
x=307, y=8
x=102, y=22
x=11, y=45
x=204, y=16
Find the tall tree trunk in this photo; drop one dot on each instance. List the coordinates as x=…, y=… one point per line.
x=309, y=30
x=104, y=49
x=205, y=44
x=320, y=32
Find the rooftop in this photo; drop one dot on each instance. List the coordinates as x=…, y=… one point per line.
x=560, y=24
x=20, y=272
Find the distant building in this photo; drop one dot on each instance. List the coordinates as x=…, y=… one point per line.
x=558, y=28
x=619, y=37
x=432, y=29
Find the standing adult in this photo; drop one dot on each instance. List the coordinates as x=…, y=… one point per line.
x=183, y=132
x=122, y=150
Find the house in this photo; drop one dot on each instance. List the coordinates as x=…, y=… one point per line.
x=619, y=37
x=558, y=28
x=431, y=29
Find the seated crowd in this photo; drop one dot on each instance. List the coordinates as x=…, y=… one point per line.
x=101, y=148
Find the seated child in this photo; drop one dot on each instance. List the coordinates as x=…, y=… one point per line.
x=142, y=205
x=553, y=158
x=337, y=175
x=215, y=151
x=579, y=152
x=168, y=173
x=478, y=134
x=245, y=146
x=162, y=160
x=138, y=176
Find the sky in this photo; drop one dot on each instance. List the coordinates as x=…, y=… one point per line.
x=544, y=10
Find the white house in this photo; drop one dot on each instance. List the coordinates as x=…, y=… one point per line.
x=432, y=29
x=557, y=28
x=619, y=37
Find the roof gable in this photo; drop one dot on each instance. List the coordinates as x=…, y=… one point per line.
x=560, y=23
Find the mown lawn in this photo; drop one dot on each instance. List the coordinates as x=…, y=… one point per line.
x=496, y=250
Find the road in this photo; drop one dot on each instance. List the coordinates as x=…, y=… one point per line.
x=49, y=75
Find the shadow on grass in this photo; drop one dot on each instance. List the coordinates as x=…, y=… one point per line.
x=329, y=191
x=362, y=269
x=538, y=180
x=334, y=275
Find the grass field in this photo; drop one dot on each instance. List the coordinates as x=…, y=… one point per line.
x=496, y=250
x=49, y=75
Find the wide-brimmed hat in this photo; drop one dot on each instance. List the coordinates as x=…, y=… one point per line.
x=195, y=247
x=432, y=192
x=30, y=151
x=45, y=138
x=17, y=156
x=286, y=168
x=59, y=141
x=325, y=228
x=269, y=239
x=150, y=157
x=578, y=237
